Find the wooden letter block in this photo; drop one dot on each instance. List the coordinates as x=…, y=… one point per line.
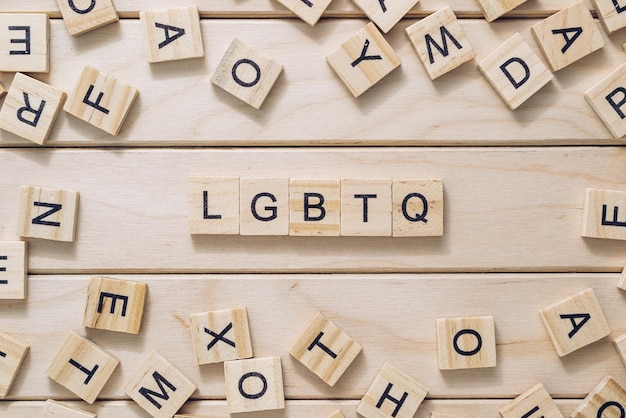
x=54, y=409
x=219, y=336
x=392, y=394
x=172, y=34
x=417, y=208
x=114, y=305
x=264, y=206
x=336, y=414
x=214, y=205
x=620, y=346
x=366, y=207
x=575, y=322
x=611, y=14
x=606, y=400
x=246, y=73
x=493, y=9
x=466, y=343
x=254, y=385
x=621, y=283
x=47, y=213
x=30, y=108
x=24, y=43
x=13, y=270
x=82, y=367
x=12, y=353
x=608, y=97
x=515, y=71
x=308, y=10
x=602, y=217
x=325, y=349
x=363, y=60
x=314, y=207
x=440, y=42
x=159, y=388
x=385, y=13
x=534, y=403
x=82, y=16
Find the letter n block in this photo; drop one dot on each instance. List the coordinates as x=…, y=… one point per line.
x=604, y=214
x=466, y=343
x=308, y=10
x=314, y=207
x=214, y=205
x=392, y=394
x=82, y=367
x=325, y=349
x=47, y=213
x=417, y=208
x=608, y=98
x=366, y=207
x=82, y=16
x=114, y=305
x=575, y=322
x=101, y=100
x=30, y=108
x=54, y=409
x=515, y=71
x=13, y=270
x=254, y=385
x=493, y=9
x=12, y=353
x=264, y=206
x=24, y=43
x=385, y=13
x=607, y=399
x=534, y=403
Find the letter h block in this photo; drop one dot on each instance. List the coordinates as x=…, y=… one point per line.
x=13, y=270
x=607, y=98
x=534, y=403
x=86, y=15
x=12, y=354
x=47, y=213
x=24, y=43
x=466, y=343
x=254, y=385
x=607, y=399
x=114, y=305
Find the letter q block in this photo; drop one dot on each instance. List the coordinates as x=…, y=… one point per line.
x=607, y=399
x=608, y=97
x=47, y=213
x=417, y=208
x=82, y=16
x=254, y=385
x=466, y=343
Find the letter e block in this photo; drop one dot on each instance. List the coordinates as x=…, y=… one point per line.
x=607, y=399
x=13, y=270
x=12, y=353
x=24, y=43
x=366, y=207
x=608, y=98
x=493, y=9
x=575, y=322
x=82, y=16
x=264, y=206
x=515, y=71
x=82, y=367
x=223, y=335
x=325, y=349
x=254, y=385
x=114, y=305
x=602, y=217
x=246, y=73
x=611, y=14
x=363, y=60
x=47, y=213
x=308, y=10
x=214, y=205
x=417, y=208
x=466, y=343
x=440, y=42
x=30, y=108
x=314, y=207
x=392, y=394
x=159, y=388
x=535, y=402
x=54, y=409
x=385, y=13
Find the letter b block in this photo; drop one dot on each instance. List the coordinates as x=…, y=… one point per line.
x=466, y=343
x=314, y=207
x=47, y=213
x=254, y=385
x=24, y=43
x=606, y=400
x=608, y=98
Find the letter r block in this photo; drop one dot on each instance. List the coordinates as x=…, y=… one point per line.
x=608, y=98
x=13, y=270
x=54, y=409
x=24, y=43
x=417, y=208
x=607, y=399
x=466, y=343
x=534, y=403
x=604, y=214
x=314, y=207
x=114, y=305
x=254, y=385
x=82, y=16
x=214, y=205
x=12, y=354
x=47, y=213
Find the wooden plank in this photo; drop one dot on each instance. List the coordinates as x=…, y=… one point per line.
x=458, y=109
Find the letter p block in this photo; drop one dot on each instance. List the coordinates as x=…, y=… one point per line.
x=608, y=98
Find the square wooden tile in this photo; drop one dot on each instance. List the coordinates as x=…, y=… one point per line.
x=82, y=367
x=54, y=409
x=13, y=270
x=222, y=335
x=246, y=73
x=608, y=98
x=47, y=213
x=325, y=349
x=466, y=343
x=363, y=60
x=604, y=214
x=114, y=305
x=366, y=207
x=24, y=42
x=417, y=208
x=314, y=207
x=607, y=399
x=264, y=206
x=31, y=108
x=385, y=13
x=392, y=394
x=575, y=322
x=493, y=9
x=172, y=34
x=440, y=42
x=12, y=354
x=308, y=10
x=535, y=402
x=611, y=14
x=254, y=385
x=82, y=16
x=515, y=71
x=214, y=205
x=620, y=345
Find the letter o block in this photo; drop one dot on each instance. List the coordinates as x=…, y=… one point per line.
x=254, y=385
x=466, y=343
x=608, y=98
x=82, y=16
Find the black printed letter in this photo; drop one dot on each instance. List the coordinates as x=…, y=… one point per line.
x=418, y=217
x=576, y=326
x=568, y=40
x=517, y=84
x=160, y=381
x=618, y=7
x=205, y=204
x=273, y=209
x=319, y=205
x=252, y=395
x=254, y=66
x=365, y=57
x=392, y=399
x=85, y=370
x=617, y=106
x=25, y=40
x=54, y=208
x=114, y=299
x=82, y=11
x=3, y=269
x=96, y=104
x=316, y=342
x=606, y=405
x=365, y=197
x=479, y=342
x=167, y=28
x=442, y=50
x=36, y=112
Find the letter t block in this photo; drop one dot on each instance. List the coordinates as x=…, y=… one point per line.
x=608, y=98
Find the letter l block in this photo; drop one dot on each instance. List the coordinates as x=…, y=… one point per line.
x=254, y=385
x=607, y=399
x=611, y=14
x=608, y=97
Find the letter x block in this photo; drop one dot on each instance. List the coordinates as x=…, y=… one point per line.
x=13, y=270
x=47, y=213
x=24, y=43
x=417, y=208
x=535, y=402
x=314, y=207
x=575, y=322
x=30, y=108
x=493, y=9
x=114, y=305
x=466, y=343
x=608, y=98
x=83, y=16
x=515, y=71
x=604, y=214
x=82, y=367
x=363, y=60
x=12, y=353
x=101, y=100
x=54, y=409
x=325, y=349
x=246, y=73
x=607, y=399
x=254, y=385
x=308, y=10
x=214, y=205
x=392, y=394
x=385, y=13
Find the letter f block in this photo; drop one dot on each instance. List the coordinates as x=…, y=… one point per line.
x=608, y=98
x=24, y=43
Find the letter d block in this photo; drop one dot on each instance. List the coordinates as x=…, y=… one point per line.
x=534, y=403
x=13, y=270
x=12, y=353
x=608, y=98
x=606, y=400
x=314, y=207
x=54, y=409
x=254, y=385
x=24, y=43
x=466, y=343
x=114, y=305
x=47, y=213
x=417, y=208
x=214, y=205
x=515, y=71
x=82, y=16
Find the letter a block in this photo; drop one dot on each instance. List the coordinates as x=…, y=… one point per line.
x=12, y=353
x=575, y=322
x=366, y=207
x=13, y=270
x=114, y=305
x=54, y=409
x=417, y=208
x=214, y=205
x=159, y=388
x=440, y=42
x=325, y=349
x=30, y=108
x=385, y=13
x=466, y=343
x=47, y=213
x=493, y=9
x=24, y=43
x=314, y=207
x=308, y=10
x=82, y=16
x=534, y=403
x=82, y=367
x=363, y=60
x=392, y=394
x=246, y=73
x=254, y=385
x=607, y=399
x=608, y=98
x=264, y=206
x=604, y=214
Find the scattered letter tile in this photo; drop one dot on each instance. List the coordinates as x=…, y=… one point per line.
x=466, y=343
x=314, y=207
x=604, y=214
x=608, y=98
x=214, y=205
x=366, y=208
x=264, y=206
x=611, y=14
x=385, y=13
x=54, y=409
x=13, y=270
x=254, y=385
x=417, y=208
x=534, y=403
x=620, y=346
x=47, y=213
x=607, y=399
x=84, y=16
x=24, y=43
x=493, y=9
x=12, y=353
x=308, y=10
